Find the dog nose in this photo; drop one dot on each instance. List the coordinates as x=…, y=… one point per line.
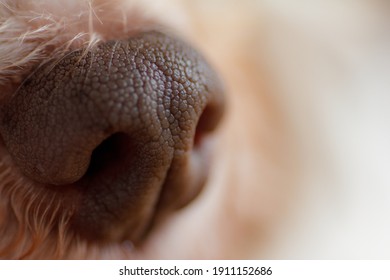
x=121, y=124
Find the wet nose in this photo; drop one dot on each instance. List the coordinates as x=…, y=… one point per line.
x=122, y=123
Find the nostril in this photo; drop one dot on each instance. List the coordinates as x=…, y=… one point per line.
x=117, y=124
x=208, y=122
x=108, y=157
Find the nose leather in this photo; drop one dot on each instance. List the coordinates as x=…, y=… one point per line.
x=117, y=123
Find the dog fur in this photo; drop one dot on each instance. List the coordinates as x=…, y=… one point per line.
x=300, y=168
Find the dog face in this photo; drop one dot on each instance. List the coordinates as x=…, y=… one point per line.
x=114, y=143
x=193, y=129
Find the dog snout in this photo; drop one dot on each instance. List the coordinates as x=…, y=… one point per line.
x=122, y=124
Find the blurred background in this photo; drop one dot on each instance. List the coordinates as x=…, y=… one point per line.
x=322, y=70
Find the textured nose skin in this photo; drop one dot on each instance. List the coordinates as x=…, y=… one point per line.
x=116, y=123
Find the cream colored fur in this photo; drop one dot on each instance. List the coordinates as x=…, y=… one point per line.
x=301, y=170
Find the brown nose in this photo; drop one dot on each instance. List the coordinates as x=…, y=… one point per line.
x=120, y=123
